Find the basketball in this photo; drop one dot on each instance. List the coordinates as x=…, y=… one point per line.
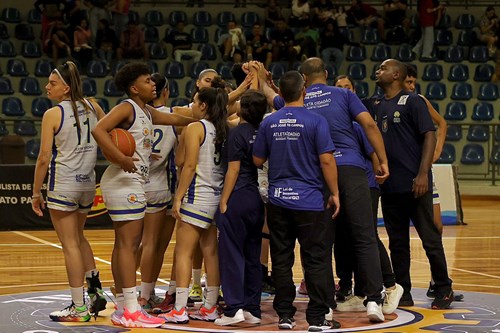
x=123, y=140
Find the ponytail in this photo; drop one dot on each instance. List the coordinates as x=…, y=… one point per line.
x=216, y=100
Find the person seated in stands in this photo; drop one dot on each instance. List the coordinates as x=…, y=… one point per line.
x=273, y=14
x=282, y=41
x=51, y=11
x=232, y=44
x=488, y=26
x=331, y=46
x=182, y=43
x=82, y=51
x=322, y=12
x=362, y=14
x=300, y=14
x=57, y=42
x=307, y=40
x=132, y=43
x=105, y=41
x=394, y=16
x=258, y=47
x=340, y=16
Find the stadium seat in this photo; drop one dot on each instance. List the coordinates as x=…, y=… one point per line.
x=24, y=31
x=224, y=71
x=202, y=18
x=30, y=86
x=31, y=50
x=151, y=34
x=156, y=51
x=180, y=102
x=414, y=21
x=174, y=70
x=111, y=90
x=133, y=16
x=224, y=17
x=497, y=133
x=436, y=91
x=472, y=153
x=478, y=133
x=173, y=88
x=454, y=133
x=199, y=35
x=448, y=155
x=219, y=32
x=356, y=53
x=277, y=70
x=348, y=33
x=10, y=15
x=454, y=53
x=458, y=72
x=116, y=67
x=4, y=33
x=495, y=155
x=5, y=86
x=483, y=111
x=357, y=71
x=433, y=72
x=465, y=21
x=405, y=53
x=32, y=148
x=7, y=49
x=44, y=67
x=175, y=16
x=462, y=91
x=153, y=66
x=332, y=71
x=443, y=37
x=190, y=88
x=3, y=128
x=248, y=19
x=478, y=54
x=361, y=88
x=208, y=51
x=483, y=72
x=153, y=18
x=39, y=105
x=197, y=68
x=16, y=67
x=34, y=16
x=435, y=106
x=97, y=68
x=370, y=36
x=445, y=22
x=378, y=91
x=488, y=92
x=103, y=103
x=455, y=111
x=467, y=38
x=89, y=87
x=25, y=128
x=381, y=52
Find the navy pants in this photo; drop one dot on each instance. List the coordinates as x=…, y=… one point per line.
x=240, y=241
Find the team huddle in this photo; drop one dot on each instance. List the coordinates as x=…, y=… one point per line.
x=329, y=157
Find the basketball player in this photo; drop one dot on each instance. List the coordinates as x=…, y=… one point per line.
x=68, y=152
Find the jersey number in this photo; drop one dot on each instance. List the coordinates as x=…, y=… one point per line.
x=86, y=122
x=158, y=132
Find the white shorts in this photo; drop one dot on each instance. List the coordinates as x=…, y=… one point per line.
x=71, y=201
x=158, y=201
x=435, y=194
x=198, y=215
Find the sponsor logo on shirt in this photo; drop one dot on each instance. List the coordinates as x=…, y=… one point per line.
x=82, y=178
x=402, y=100
x=286, y=193
x=396, y=117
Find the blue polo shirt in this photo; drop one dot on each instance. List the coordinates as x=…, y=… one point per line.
x=339, y=107
x=292, y=140
x=403, y=121
x=367, y=150
x=239, y=145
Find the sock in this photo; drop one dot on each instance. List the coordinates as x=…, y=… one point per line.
x=130, y=295
x=171, y=288
x=181, y=298
x=77, y=295
x=120, y=302
x=197, y=277
x=147, y=290
x=212, y=296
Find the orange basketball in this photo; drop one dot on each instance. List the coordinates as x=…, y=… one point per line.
x=123, y=140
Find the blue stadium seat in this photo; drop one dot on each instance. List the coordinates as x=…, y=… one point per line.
x=25, y=128
x=12, y=106
x=433, y=72
x=34, y=16
x=458, y=72
x=467, y=38
x=190, y=88
x=197, y=68
x=414, y=21
x=199, y=35
x=173, y=88
x=445, y=22
x=405, y=53
x=153, y=66
x=454, y=133
x=180, y=102
x=3, y=128
x=44, y=67
x=495, y=155
x=462, y=91
x=357, y=71
x=5, y=86
x=10, y=15
x=436, y=91
x=224, y=71
x=208, y=51
x=32, y=148
x=443, y=37
x=154, y=18
x=175, y=16
x=370, y=36
x=16, y=67
x=478, y=54
x=483, y=111
x=454, y=53
x=24, y=31
x=488, y=92
x=30, y=86
x=455, y=111
x=7, y=49
x=174, y=70
x=133, y=16
x=378, y=91
x=89, y=87
x=103, y=103
x=202, y=18
x=248, y=19
x=151, y=34
x=224, y=17
x=361, y=88
x=332, y=71
x=497, y=133
x=116, y=67
x=356, y=53
x=483, y=72
x=448, y=155
x=381, y=52
x=4, y=33
x=31, y=50
x=97, y=68
x=111, y=90
x=472, y=154
x=277, y=70
x=465, y=21
x=478, y=133
x=156, y=51
x=219, y=32
x=348, y=33
x=39, y=105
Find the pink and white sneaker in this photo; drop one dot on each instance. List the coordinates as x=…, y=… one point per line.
x=205, y=314
x=176, y=316
x=116, y=318
x=140, y=318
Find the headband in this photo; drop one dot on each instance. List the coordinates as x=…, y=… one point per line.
x=60, y=76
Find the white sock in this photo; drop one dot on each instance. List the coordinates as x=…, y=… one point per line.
x=147, y=290
x=181, y=298
x=197, y=276
x=212, y=296
x=89, y=273
x=120, y=302
x=77, y=295
x=171, y=288
x=130, y=295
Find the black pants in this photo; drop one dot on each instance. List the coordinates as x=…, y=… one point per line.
x=285, y=226
x=398, y=210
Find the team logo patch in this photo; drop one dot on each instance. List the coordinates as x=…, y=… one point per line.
x=397, y=118
x=132, y=198
x=145, y=131
x=402, y=100
x=384, y=126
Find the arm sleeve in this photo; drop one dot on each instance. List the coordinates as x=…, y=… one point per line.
x=323, y=139
x=278, y=102
x=420, y=114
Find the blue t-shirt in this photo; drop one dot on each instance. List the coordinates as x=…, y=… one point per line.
x=340, y=107
x=403, y=121
x=367, y=150
x=292, y=139
x=240, y=141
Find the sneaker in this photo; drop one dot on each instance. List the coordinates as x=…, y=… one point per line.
x=406, y=299
x=71, y=313
x=320, y=327
x=443, y=300
x=165, y=306
x=146, y=304
x=341, y=295
x=329, y=315
x=176, y=316
x=116, y=318
x=155, y=300
x=113, y=290
x=140, y=318
x=431, y=293
x=196, y=293
x=302, y=289
x=250, y=318
x=267, y=288
x=286, y=323
x=205, y=314
x=226, y=320
x=374, y=312
x=352, y=304
x=203, y=280
x=97, y=302
x=391, y=299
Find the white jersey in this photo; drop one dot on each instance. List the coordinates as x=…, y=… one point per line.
x=74, y=153
x=160, y=170
x=206, y=187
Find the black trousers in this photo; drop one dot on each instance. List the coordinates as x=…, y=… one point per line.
x=398, y=210
x=308, y=227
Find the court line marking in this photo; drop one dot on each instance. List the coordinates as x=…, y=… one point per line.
x=460, y=269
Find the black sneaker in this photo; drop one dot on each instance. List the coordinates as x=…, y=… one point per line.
x=406, y=299
x=341, y=295
x=431, y=293
x=320, y=327
x=286, y=323
x=443, y=300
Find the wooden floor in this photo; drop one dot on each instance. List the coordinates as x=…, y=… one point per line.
x=33, y=260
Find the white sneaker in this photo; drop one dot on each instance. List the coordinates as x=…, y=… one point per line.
x=391, y=299
x=374, y=312
x=250, y=318
x=352, y=304
x=329, y=315
x=225, y=320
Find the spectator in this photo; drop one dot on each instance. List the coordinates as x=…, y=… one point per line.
x=282, y=40
x=132, y=43
x=362, y=14
x=58, y=42
x=98, y=11
x=488, y=26
x=427, y=14
x=232, y=44
x=307, y=39
x=73, y=13
x=258, y=47
x=182, y=43
x=340, y=16
x=300, y=14
x=51, y=10
x=332, y=43
x=120, y=15
x=394, y=15
x=273, y=14
x=322, y=12
x=82, y=51
x=105, y=41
